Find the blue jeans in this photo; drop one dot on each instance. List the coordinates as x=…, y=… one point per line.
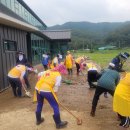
x=50, y=98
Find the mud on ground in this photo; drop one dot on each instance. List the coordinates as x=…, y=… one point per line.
x=19, y=113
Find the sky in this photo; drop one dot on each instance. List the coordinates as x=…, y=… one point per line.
x=53, y=12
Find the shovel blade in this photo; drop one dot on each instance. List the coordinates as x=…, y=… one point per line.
x=28, y=94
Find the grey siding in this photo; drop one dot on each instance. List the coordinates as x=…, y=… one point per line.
x=7, y=58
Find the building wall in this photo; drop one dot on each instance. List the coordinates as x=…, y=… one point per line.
x=59, y=47
x=8, y=52
x=39, y=46
x=12, y=40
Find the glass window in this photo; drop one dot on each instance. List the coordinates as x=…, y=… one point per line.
x=8, y=3
x=12, y=5
x=20, y=10
x=25, y=14
x=4, y=2
x=10, y=45
x=16, y=7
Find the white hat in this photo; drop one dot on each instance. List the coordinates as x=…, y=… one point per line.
x=112, y=65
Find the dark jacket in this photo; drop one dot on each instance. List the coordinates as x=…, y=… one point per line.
x=22, y=62
x=109, y=79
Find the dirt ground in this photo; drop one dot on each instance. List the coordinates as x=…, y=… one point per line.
x=19, y=113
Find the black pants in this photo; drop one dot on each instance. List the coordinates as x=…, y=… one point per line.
x=45, y=67
x=16, y=86
x=78, y=67
x=70, y=71
x=98, y=92
x=92, y=77
x=125, y=121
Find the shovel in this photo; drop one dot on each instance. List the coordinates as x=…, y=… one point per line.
x=27, y=93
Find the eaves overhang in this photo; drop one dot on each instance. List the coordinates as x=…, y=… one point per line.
x=13, y=22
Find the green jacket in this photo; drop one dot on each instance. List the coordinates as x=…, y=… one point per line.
x=109, y=79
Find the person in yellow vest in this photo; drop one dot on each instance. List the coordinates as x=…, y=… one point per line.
x=121, y=101
x=16, y=79
x=78, y=63
x=69, y=62
x=46, y=88
x=55, y=62
x=93, y=74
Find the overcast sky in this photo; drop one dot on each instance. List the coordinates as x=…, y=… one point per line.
x=54, y=12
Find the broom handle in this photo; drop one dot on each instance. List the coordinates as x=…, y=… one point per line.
x=67, y=110
x=24, y=88
x=62, y=105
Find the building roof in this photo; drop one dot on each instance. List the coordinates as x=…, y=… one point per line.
x=58, y=34
x=31, y=11
x=9, y=18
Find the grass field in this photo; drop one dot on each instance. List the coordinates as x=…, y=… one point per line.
x=104, y=57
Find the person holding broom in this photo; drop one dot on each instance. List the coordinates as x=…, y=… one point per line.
x=21, y=59
x=16, y=79
x=121, y=101
x=46, y=88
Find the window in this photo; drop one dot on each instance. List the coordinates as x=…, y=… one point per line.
x=10, y=45
x=16, y=7
x=8, y=2
x=4, y=2
x=25, y=14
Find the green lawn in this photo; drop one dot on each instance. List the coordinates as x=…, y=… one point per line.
x=103, y=57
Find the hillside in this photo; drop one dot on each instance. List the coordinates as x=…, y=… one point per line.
x=94, y=32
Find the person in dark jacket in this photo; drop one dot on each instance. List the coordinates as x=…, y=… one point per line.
x=119, y=61
x=22, y=60
x=107, y=83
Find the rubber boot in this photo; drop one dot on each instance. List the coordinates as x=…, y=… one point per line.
x=92, y=113
x=39, y=119
x=59, y=124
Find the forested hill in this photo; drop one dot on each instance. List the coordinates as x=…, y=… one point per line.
x=97, y=32
x=87, y=26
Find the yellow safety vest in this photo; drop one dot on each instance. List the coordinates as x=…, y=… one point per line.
x=17, y=71
x=78, y=60
x=69, y=61
x=46, y=83
x=91, y=65
x=52, y=64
